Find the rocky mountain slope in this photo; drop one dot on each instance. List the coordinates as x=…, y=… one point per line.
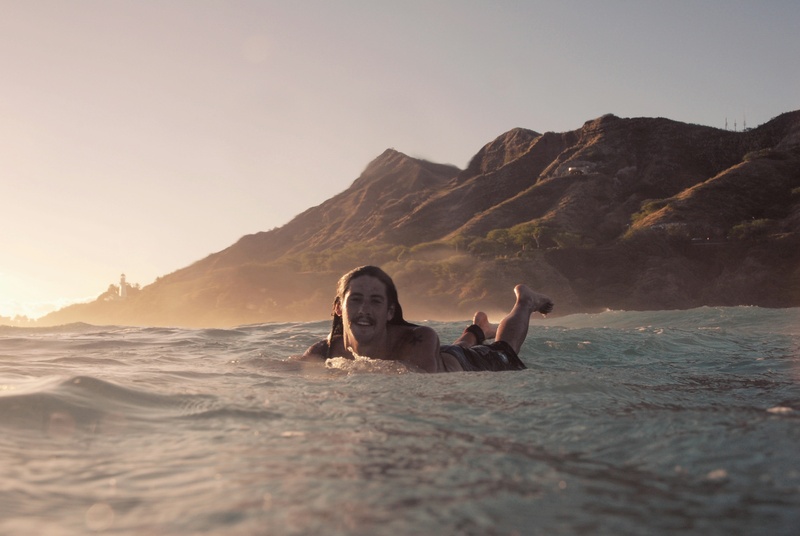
x=642, y=213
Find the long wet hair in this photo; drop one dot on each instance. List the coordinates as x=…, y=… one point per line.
x=337, y=325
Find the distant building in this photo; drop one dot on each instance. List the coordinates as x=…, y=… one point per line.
x=578, y=170
x=123, y=288
x=576, y=167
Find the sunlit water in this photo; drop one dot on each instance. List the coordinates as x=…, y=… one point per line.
x=625, y=423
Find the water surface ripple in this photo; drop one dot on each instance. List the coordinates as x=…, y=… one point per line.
x=625, y=423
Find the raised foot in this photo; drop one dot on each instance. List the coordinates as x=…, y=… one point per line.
x=537, y=302
x=482, y=321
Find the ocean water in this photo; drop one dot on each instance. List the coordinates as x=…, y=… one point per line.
x=673, y=422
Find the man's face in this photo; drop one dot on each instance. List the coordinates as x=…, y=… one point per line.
x=365, y=309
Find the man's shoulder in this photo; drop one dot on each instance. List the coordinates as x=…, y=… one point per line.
x=318, y=349
x=403, y=332
x=415, y=345
x=419, y=346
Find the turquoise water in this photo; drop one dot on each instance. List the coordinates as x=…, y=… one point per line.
x=625, y=423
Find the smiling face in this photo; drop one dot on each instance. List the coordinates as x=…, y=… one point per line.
x=365, y=311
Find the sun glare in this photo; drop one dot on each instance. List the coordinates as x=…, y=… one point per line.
x=19, y=300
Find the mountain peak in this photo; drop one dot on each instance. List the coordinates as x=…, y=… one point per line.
x=388, y=159
x=391, y=166
x=502, y=150
x=389, y=154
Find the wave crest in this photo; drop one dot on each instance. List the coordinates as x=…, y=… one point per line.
x=361, y=365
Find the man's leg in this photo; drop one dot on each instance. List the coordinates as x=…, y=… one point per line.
x=480, y=319
x=514, y=327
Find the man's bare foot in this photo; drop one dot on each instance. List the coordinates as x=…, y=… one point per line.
x=538, y=303
x=482, y=321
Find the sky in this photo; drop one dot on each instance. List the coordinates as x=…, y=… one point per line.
x=140, y=136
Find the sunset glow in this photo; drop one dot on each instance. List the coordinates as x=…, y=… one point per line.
x=139, y=137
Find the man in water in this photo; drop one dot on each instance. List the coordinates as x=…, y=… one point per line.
x=368, y=321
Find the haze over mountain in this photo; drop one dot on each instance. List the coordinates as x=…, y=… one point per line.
x=639, y=213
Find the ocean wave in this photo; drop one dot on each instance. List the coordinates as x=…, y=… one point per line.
x=74, y=327
x=365, y=365
x=624, y=422
x=84, y=403
x=745, y=318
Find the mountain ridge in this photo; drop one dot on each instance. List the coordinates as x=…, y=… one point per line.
x=621, y=212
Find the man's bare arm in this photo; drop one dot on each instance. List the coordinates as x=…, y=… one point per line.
x=421, y=349
x=318, y=350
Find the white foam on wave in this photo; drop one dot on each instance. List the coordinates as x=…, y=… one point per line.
x=780, y=410
x=366, y=365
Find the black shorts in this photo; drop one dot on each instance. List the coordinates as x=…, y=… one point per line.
x=493, y=357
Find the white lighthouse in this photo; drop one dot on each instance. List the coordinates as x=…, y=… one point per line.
x=123, y=290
